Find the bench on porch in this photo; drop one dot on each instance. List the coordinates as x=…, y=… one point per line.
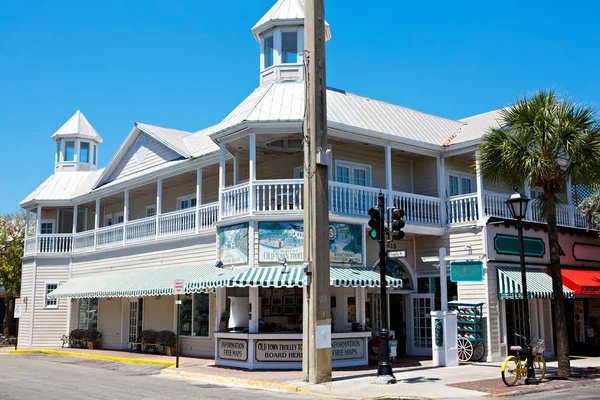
x=146, y=341
x=75, y=339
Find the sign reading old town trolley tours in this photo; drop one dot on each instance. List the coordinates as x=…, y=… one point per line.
x=286, y=239
x=291, y=350
x=233, y=244
x=231, y=349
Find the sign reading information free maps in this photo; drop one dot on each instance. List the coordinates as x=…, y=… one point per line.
x=231, y=349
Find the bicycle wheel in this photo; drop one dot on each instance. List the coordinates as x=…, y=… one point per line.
x=512, y=370
x=539, y=365
x=478, y=351
x=465, y=349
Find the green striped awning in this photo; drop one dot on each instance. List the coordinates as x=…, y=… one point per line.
x=539, y=284
x=220, y=277
x=269, y=276
x=150, y=282
x=359, y=277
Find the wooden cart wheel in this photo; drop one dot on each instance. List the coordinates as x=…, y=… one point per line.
x=478, y=351
x=465, y=349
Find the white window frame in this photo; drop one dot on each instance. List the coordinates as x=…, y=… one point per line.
x=106, y=218
x=48, y=221
x=210, y=305
x=298, y=44
x=89, y=161
x=352, y=166
x=460, y=175
x=264, y=53
x=46, y=299
x=189, y=198
x=151, y=207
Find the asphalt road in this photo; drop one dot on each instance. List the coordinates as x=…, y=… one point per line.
x=40, y=376
x=574, y=393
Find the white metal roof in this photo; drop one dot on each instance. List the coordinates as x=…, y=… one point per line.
x=77, y=126
x=476, y=126
x=284, y=101
x=64, y=186
x=284, y=12
x=172, y=137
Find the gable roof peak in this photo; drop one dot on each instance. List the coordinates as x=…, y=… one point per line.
x=77, y=126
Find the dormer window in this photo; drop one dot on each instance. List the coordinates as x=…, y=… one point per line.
x=84, y=152
x=289, y=47
x=268, y=51
x=70, y=150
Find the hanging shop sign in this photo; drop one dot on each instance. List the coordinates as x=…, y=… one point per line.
x=278, y=350
x=466, y=271
x=231, y=349
x=509, y=244
x=286, y=239
x=233, y=244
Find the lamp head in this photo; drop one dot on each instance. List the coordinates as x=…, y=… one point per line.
x=517, y=204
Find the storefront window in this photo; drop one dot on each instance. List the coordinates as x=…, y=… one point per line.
x=351, y=309
x=194, y=315
x=432, y=285
x=88, y=313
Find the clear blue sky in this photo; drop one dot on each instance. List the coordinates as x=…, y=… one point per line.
x=186, y=64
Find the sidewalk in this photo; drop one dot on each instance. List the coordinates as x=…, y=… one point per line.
x=416, y=377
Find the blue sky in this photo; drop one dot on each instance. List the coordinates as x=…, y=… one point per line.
x=186, y=64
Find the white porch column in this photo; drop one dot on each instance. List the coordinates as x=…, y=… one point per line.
x=125, y=214
x=252, y=172
x=198, y=197
x=254, y=307
x=480, y=205
x=76, y=155
x=236, y=168
x=388, y=176
x=222, y=172
x=38, y=221
x=570, y=209
x=442, y=190
x=527, y=192
x=74, y=230
x=96, y=223
x=443, y=279
x=27, y=215
x=158, y=205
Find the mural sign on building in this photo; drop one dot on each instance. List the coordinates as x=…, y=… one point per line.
x=233, y=244
x=286, y=239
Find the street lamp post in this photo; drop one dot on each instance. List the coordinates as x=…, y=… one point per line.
x=517, y=203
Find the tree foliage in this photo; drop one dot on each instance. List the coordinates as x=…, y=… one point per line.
x=12, y=238
x=545, y=140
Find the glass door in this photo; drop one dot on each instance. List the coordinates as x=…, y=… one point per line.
x=136, y=313
x=420, y=332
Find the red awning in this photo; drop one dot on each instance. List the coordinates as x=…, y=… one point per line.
x=582, y=282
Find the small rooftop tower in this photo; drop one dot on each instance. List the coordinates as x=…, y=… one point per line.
x=76, y=145
x=280, y=33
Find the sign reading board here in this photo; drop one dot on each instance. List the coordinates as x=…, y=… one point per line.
x=466, y=271
x=231, y=349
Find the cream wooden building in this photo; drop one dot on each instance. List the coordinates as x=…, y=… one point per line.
x=206, y=207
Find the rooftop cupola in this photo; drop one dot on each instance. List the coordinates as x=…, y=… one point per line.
x=280, y=33
x=76, y=145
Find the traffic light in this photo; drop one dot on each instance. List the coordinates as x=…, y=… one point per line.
x=397, y=224
x=375, y=224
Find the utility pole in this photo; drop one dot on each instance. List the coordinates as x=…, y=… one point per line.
x=316, y=338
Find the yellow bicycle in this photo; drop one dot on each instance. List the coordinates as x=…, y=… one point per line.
x=513, y=368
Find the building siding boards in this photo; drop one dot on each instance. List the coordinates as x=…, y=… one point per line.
x=24, y=335
x=109, y=323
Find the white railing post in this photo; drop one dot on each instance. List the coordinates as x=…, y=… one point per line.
x=74, y=230
x=441, y=189
x=26, y=223
x=388, y=176
x=96, y=223
x=221, y=179
x=158, y=205
x=479, y=206
x=125, y=214
x=38, y=228
x=251, y=174
x=571, y=208
x=198, y=196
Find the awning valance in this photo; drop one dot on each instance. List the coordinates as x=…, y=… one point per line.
x=539, y=284
x=360, y=277
x=582, y=282
x=150, y=282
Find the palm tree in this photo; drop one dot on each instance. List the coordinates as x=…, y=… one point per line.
x=544, y=140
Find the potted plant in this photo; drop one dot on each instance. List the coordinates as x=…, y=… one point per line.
x=169, y=342
x=92, y=336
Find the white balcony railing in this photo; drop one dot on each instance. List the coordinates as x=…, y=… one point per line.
x=109, y=236
x=140, y=230
x=462, y=208
x=235, y=200
x=83, y=241
x=279, y=195
x=418, y=209
x=54, y=243
x=352, y=199
x=177, y=223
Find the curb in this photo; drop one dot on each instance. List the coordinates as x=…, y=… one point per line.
x=588, y=382
x=249, y=383
x=94, y=356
